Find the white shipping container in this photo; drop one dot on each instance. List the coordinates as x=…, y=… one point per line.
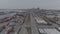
x=42, y=31
x=52, y=31
x=11, y=24
x=40, y=20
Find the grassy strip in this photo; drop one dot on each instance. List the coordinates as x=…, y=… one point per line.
x=28, y=30
x=19, y=31
x=0, y=30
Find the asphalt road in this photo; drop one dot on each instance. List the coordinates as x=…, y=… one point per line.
x=33, y=25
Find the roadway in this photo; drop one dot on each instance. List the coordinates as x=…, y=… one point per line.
x=33, y=24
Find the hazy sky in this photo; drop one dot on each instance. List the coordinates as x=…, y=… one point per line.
x=13, y=4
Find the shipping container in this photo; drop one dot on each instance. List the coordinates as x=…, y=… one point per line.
x=49, y=31
x=40, y=20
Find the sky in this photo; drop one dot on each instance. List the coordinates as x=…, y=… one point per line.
x=24, y=4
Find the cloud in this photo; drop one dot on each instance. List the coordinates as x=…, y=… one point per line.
x=11, y=4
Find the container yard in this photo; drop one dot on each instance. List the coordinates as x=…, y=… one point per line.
x=11, y=23
x=28, y=22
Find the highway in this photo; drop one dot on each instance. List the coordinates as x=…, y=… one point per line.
x=33, y=24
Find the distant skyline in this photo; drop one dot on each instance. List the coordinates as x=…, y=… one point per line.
x=24, y=4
